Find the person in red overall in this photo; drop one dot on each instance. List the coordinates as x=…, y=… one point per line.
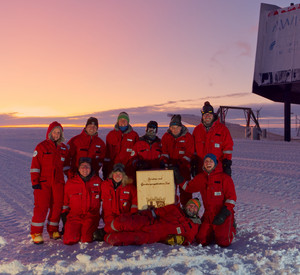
x=119, y=145
x=86, y=144
x=82, y=200
x=118, y=196
x=219, y=199
x=146, y=151
x=177, y=150
x=47, y=178
x=211, y=136
x=169, y=224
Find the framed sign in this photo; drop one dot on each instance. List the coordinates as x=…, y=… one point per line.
x=155, y=188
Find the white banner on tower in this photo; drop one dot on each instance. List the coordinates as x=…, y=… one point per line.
x=278, y=45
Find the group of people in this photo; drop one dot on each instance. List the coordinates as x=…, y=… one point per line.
x=201, y=162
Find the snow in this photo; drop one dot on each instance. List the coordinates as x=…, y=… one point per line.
x=266, y=174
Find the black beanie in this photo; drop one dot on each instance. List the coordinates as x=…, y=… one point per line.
x=92, y=120
x=85, y=159
x=207, y=108
x=152, y=124
x=175, y=120
x=119, y=167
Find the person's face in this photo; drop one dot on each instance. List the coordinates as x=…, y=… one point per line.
x=191, y=209
x=84, y=169
x=207, y=118
x=55, y=134
x=123, y=122
x=151, y=130
x=117, y=176
x=209, y=164
x=91, y=129
x=175, y=130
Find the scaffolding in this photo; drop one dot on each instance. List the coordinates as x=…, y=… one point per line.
x=249, y=115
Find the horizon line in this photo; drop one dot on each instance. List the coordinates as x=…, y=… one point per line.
x=82, y=126
x=262, y=125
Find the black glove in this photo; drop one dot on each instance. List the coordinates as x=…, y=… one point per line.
x=63, y=217
x=104, y=173
x=227, y=166
x=178, y=178
x=153, y=215
x=106, y=169
x=37, y=186
x=99, y=234
x=221, y=217
x=194, y=167
x=163, y=165
x=142, y=165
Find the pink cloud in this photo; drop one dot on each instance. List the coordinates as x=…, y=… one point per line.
x=244, y=48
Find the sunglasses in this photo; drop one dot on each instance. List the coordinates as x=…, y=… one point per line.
x=206, y=112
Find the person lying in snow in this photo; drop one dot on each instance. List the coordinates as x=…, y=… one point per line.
x=219, y=198
x=169, y=224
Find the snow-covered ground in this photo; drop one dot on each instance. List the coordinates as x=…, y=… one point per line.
x=267, y=178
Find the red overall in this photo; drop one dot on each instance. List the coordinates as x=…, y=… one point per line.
x=179, y=151
x=82, y=202
x=150, y=153
x=146, y=227
x=217, y=140
x=119, y=146
x=84, y=145
x=217, y=189
x=116, y=202
x=48, y=163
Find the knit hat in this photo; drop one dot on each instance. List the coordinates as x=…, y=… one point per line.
x=211, y=156
x=194, y=201
x=123, y=115
x=207, y=108
x=93, y=121
x=152, y=124
x=175, y=120
x=85, y=159
x=119, y=167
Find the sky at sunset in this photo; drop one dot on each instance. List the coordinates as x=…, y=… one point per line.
x=72, y=59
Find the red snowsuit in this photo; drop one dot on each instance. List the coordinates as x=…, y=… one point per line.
x=116, y=202
x=82, y=202
x=148, y=152
x=145, y=227
x=84, y=145
x=48, y=163
x=217, y=189
x=179, y=151
x=217, y=140
x=119, y=147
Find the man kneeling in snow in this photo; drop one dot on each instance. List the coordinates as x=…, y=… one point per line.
x=169, y=224
x=219, y=197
